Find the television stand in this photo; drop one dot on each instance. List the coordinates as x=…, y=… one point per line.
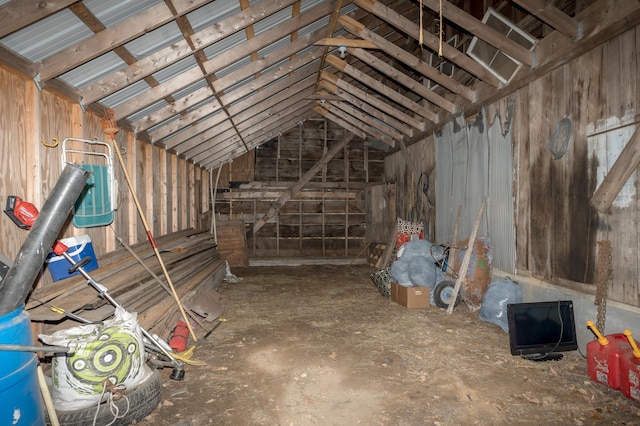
x=552, y=356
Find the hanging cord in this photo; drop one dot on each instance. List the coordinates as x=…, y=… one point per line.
x=440, y=32
x=115, y=393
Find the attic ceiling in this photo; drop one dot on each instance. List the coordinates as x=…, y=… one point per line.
x=211, y=80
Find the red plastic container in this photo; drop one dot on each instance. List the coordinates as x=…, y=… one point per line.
x=603, y=361
x=604, y=355
x=630, y=370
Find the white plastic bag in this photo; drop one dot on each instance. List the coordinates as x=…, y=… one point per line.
x=111, y=351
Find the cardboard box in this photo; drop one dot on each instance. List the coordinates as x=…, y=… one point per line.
x=79, y=248
x=410, y=297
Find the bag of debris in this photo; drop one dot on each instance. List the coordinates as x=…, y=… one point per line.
x=499, y=294
x=416, y=265
x=111, y=351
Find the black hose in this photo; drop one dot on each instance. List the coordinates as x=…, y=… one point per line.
x=17, y=284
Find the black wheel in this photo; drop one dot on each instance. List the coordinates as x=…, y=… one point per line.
x=143, y=399
x=442, y=294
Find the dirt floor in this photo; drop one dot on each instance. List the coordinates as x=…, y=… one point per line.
x=320, y=345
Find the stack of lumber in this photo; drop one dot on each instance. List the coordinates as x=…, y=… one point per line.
x=192, y=262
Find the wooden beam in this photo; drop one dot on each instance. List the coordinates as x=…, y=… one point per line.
x=345, y=124
x=346, y=42
x=179, y=50
x=480, y=30
x=157, y=93
x=267, y=79
x=624, y=166
x=104, y=41
x=367, y=119
x=381, y=88
x=430, y=40
x=403, y=79
x=365, y=107
x=194, y=130
x=373, y=101
x=357, y=29
x=552, y=16
x=268, y=37
x=258, y=96
x=174, y=108
x=350, y=122
x=185, y=120
x=235, y=77
x=17, y=14
x=275, y=208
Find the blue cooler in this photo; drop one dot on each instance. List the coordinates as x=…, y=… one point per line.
x=79, y=248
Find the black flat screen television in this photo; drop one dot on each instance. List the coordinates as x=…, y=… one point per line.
x=539, y=329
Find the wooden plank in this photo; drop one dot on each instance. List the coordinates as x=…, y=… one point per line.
x=305, y=178
x=552, y=16
x=273, y=58
x=17, y=14
x=341, y=121
x=346, y=42
x=625, y=165
x=358, y=29
x=157, y=93
x=369, y=109
x=194, y=130
x=480, y=30
x=368, y=120
x=104, y=41
x=269, y=37
x=381, y=88
x=373, y=101
x=174, y=108
x=403, y=79
x=185, y=120
x=430, y=40
x=462, y=272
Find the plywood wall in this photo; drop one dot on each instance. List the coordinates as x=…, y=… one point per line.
x=170, y=191
x=557, y=229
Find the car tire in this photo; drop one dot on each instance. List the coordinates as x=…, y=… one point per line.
x=143, y=399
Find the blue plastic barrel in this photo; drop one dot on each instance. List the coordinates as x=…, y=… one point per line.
x=20, y=397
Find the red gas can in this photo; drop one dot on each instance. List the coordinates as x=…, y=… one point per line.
x=603, y=357
x=630, y=370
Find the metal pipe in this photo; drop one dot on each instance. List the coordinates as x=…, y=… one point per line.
x=27, y=348
x=17, y=284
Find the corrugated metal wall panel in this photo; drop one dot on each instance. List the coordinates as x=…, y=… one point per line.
x=474, y=162
x=500, y=202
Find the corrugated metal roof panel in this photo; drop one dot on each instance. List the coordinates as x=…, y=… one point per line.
x=211, y=13
x=233, y=67
x=110, y=12
x=47, y=36
x=176, y=69
x=189, y=89
x=148, y=110
x=320, y=23
x=125, y=94
x=93, y=70
x=272, y=21
x=225, y=44
x=155, y=40
x=274, y=46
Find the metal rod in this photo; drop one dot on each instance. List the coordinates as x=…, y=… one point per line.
x=27, y=348
x=104, y=293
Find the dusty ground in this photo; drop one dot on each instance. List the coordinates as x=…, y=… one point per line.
x=319, y=345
